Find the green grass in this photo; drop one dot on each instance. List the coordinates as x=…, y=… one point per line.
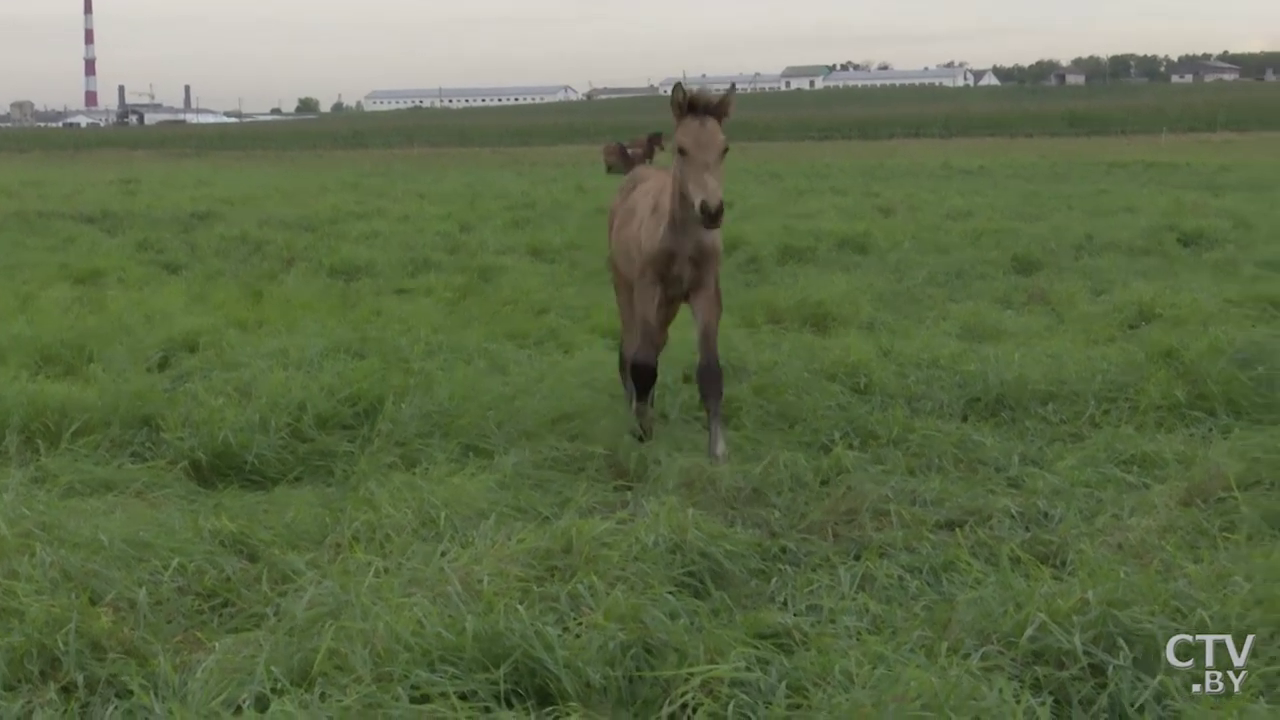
x=341, y=433
x=837, y=114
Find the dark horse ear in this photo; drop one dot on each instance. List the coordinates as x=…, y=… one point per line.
x=725, y=104
x=679, y=101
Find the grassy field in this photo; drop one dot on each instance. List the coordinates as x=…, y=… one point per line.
x=342, y=433
x=849, y=114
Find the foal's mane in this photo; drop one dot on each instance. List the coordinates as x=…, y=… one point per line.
x=700, y=103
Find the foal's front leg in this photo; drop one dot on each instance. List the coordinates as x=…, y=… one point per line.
x=706, y=306
x=653, y=317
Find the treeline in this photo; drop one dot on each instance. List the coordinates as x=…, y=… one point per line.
x=1128, y=66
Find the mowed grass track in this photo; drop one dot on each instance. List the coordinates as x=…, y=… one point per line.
x=342, y=433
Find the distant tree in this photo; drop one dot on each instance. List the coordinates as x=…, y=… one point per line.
x=307, y=105
x=1034, y=74
x=276, y=111
x=1124, y=66
x=1095, y=68
x=884, y=65
x=359, y=107
x=337, y=107
x=1253, y=64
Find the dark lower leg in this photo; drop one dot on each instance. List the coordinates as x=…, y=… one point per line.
x=711, y=385
x=625, y=376
x=644, y=376
x=711, y=390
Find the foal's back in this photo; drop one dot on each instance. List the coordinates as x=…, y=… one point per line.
x=638, y=216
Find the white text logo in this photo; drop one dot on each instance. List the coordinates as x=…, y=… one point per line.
x=1215, y=680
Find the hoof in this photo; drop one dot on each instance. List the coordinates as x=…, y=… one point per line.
x=717, y=450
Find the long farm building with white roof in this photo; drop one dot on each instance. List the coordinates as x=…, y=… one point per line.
x=444, y=97
x=745, y=82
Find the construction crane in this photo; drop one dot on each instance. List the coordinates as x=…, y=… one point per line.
x=150, y=94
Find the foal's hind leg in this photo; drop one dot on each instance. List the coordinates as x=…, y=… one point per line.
x=626, y=340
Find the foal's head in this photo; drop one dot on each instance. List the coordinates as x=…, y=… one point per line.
x=654, y=140
x=700, y=150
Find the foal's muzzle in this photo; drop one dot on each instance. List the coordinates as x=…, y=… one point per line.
x=711, y=216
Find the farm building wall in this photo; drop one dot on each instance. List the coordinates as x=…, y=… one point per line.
x=466, y=97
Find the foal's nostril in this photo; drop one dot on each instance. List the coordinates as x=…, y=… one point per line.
x=711, y=214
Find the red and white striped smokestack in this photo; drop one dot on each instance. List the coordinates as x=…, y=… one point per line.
x=90, y=59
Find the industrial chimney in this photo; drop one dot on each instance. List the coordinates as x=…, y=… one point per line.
x=121, y=102
x=186, y=97
x=90, y=60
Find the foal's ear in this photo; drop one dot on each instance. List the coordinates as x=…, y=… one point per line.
x=679, y=101
x=725, y=104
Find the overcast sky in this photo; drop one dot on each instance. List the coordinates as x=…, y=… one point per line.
x=258, y=51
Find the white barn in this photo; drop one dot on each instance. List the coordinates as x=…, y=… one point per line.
x=80, y=120
x=1205, y=71
x=468, y=97
x=984, y=78
x=804, y=77
x=746, y=82
x=161, y=114
x=608, y=93
x=941, y=77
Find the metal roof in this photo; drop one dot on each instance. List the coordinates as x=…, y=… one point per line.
x=743, y=79
x=622, y=91
x=851, y=75
x=791, y=71
x=465, y=92
x=1192, y=66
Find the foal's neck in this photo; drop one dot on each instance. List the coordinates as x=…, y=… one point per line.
x=684, y=227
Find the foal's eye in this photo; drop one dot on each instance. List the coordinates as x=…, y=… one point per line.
x=681, y=151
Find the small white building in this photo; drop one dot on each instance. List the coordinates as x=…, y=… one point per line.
x=267, y=117
x=984, y=78
x=164, y=115
x=80, y=120
x=746, y=82
x=1067, y=76
x=939, y=77
x=468, y=97
x=804, y=77
x=22, y=113
x=1205, y=71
